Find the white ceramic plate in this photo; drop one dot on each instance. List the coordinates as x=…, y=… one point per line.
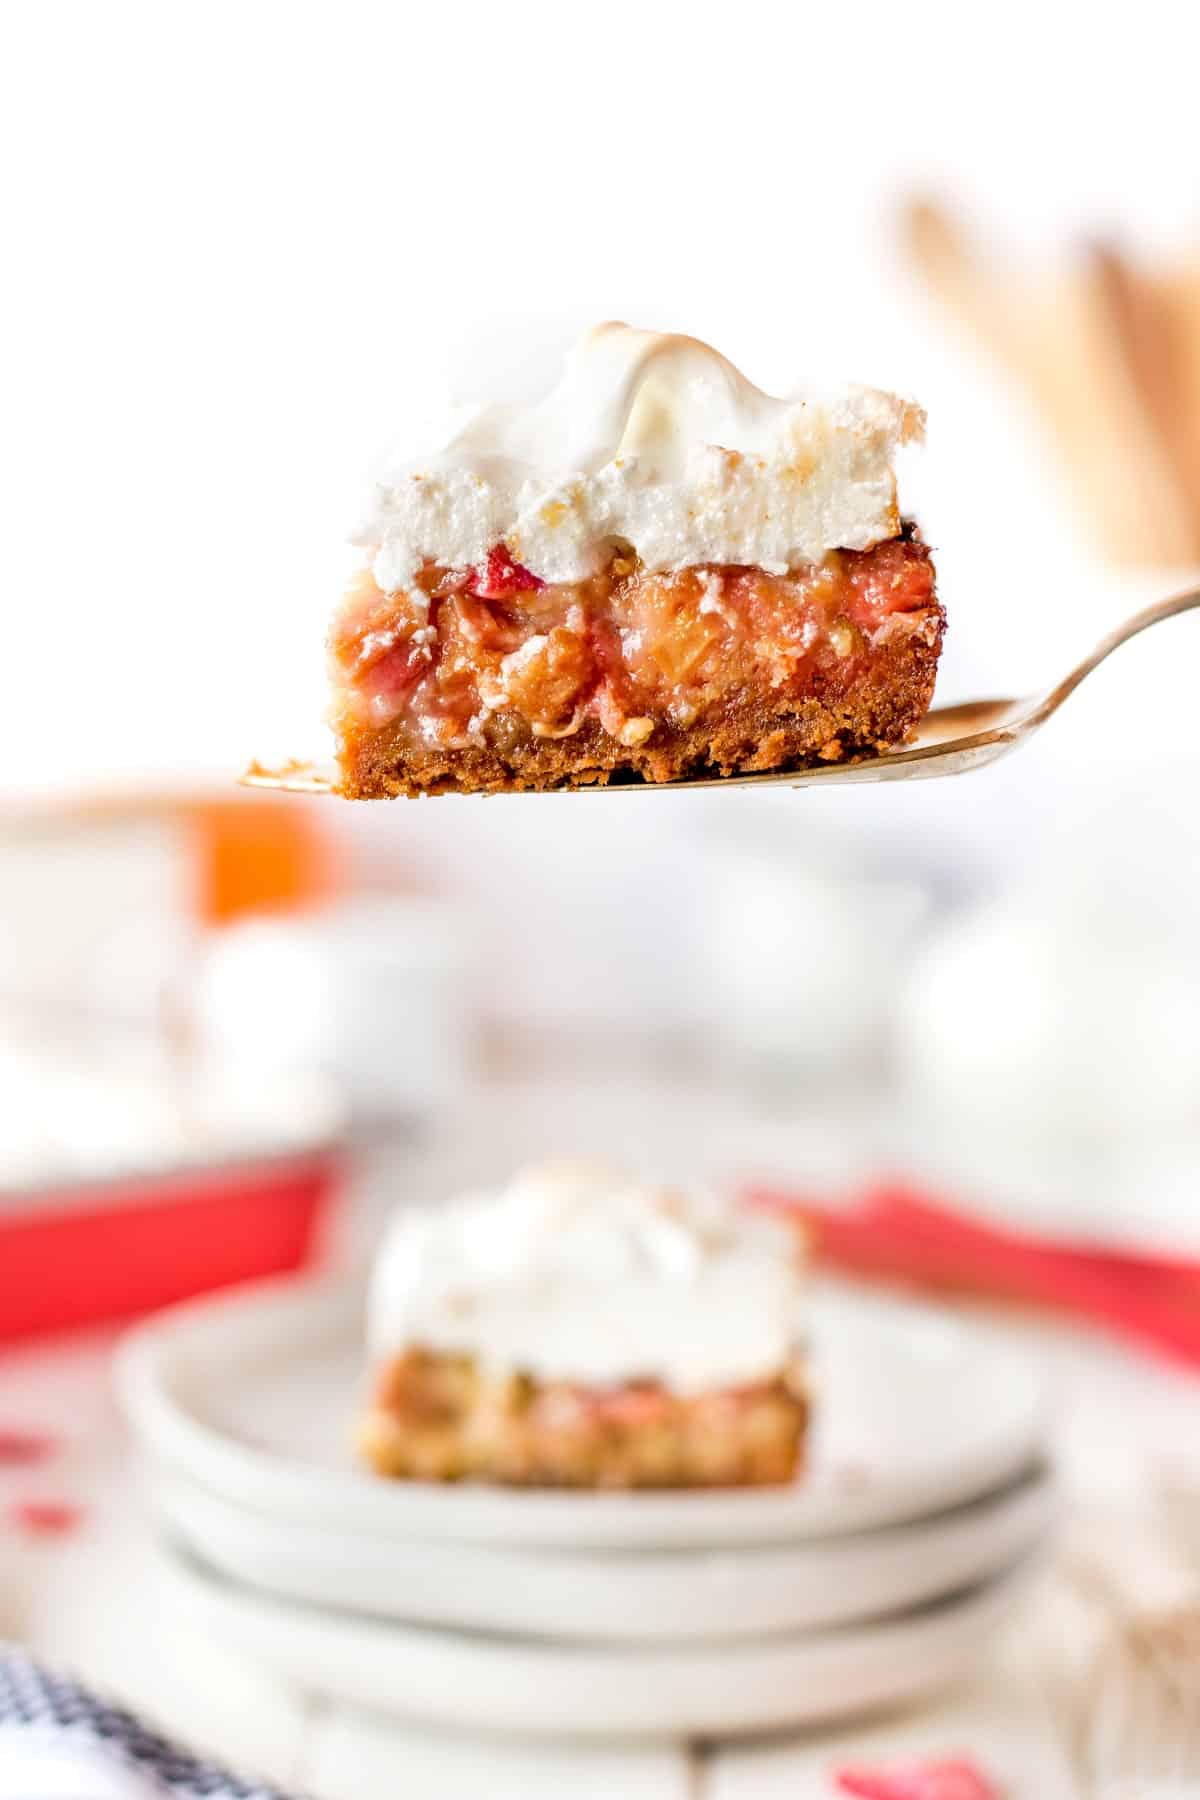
x=251, y=1394
x=500, y=1683
x=594, y=1596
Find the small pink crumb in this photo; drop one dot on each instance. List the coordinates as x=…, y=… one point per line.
x=957, y=1779
x=45, y=1518
x=18, y=1449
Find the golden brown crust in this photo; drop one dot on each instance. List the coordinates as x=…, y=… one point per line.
x=827, y=724
x=436, y=1417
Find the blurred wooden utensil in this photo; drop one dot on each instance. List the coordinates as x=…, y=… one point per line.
x=1136, y=1731
x=1110, y=354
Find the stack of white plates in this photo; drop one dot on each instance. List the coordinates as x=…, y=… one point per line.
x=878, y=1576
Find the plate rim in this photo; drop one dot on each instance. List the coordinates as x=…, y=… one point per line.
x=771, y=1679
x=723, y=1595
x=283, y=1486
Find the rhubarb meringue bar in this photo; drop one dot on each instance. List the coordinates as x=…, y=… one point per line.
x=657, y=571
x=577, y=1329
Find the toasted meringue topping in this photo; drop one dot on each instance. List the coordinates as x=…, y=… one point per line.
x=575, y=1273
x=652, y=440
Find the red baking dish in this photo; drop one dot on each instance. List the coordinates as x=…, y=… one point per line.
x=82, y=1254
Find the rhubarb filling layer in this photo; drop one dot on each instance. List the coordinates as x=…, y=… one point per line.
x=488, y=677
x=441, y=1417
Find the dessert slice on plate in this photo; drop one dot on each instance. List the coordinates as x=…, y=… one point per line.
x=578, y=1330
x=656, y=572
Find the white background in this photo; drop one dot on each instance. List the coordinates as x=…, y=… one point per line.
x=245, y=241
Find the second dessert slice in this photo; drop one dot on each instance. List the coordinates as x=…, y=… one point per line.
x=578, y=1329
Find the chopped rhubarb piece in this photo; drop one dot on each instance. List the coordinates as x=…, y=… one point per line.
x=19, y=1449
x=397, y=673
x=888, y=579
x=501, y=577
x=45, y=1518
x=549, y=678
x=635, y=1406
x=956, y=1779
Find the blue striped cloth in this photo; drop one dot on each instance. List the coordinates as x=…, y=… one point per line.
x=58, y=1740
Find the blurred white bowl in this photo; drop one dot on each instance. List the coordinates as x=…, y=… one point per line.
x=371, y=994
x=802, y=950
x=1030, y=1017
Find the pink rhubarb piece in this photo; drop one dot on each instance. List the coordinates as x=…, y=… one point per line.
x=956, y=1779
x=19, y=1449
x=45, y=1518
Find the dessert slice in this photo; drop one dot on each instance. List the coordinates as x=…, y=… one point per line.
x=576, y=1330
x=659, y=571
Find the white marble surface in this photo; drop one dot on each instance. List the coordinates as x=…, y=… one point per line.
x=88, y=1599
